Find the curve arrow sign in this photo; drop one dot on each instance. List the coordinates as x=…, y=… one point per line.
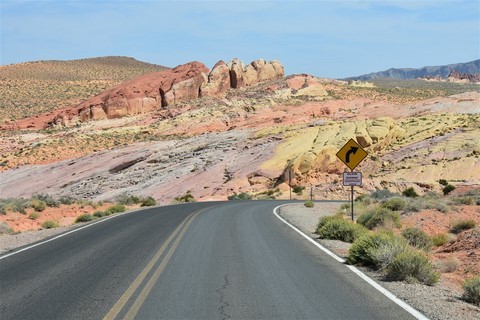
x=349, y=152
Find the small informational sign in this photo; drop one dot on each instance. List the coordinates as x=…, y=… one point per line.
x=352, y=179
x=351, y=154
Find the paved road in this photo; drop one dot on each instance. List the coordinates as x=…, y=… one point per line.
x=232, y=260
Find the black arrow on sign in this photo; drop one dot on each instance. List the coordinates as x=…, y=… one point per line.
x=349, y=152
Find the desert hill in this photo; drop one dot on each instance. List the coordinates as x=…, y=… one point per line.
x=244, y=138
x=472, y=67
x=31, y=88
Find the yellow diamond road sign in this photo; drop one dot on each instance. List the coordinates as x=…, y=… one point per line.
x=351, y=154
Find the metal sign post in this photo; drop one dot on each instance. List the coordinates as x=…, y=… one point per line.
x=352, y=154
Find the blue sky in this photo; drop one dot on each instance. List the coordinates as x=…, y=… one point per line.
x=333, y=39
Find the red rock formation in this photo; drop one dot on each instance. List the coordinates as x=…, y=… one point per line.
x=218, y=80
x=158, y=90
x=143, y=94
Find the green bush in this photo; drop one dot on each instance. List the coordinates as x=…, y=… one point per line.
x=417, y=238
x=240, y=196
x=298, y=189
x=394, y=204
x=48, y=199
x=309, y=204
x=471, y=290
x=116, y=208
x=412, y=265
x=410, y=192
x=38, y=205
x=148, y=202
x=461, y=225
x=439, y=239
x=443, y=182
x=187, y=197
x=66, y=200
x=127, y=200
x=363, y=249
x=447, y=189
x=383, y=255
x=3, y=208
x=33, y=216
x=382, y=194
x=428, y=202
x=379, y=216
x=84, y=218
x=341, y=229
x=18, y=205
x=99, y=214
x=49, y=224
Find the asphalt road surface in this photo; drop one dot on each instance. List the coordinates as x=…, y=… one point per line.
x=223, y=260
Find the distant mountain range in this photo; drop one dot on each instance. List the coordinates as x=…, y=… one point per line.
x=472, y=67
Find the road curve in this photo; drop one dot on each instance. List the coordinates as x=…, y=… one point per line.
x=217, y=260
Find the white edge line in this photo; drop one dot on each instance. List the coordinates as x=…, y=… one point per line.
x=414, y=312
x=64, y=234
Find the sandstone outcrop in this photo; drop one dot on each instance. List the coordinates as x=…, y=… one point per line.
x=257, y=71
x=140, y=95
x=159, y=90
x=218, y=80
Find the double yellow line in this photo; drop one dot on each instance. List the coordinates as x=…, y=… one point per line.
x=132, y=312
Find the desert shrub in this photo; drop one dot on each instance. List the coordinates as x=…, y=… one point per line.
x=410, y=192
x=440, y=239
x=465, y=200
x=443, y=182
x=447, y=189
x=417, y=238
x=309, y=204
x=448, y=265
x=18, y=205
x=33, y=216
x=323, y=220
x=48, y=199
x=363, y=249
x=66, y=200
x=394, y=204
x=412, y=265
x=428, y=202
x=84, y=218
x=148, y=202
x=379, y=216
x=116, y=208
x=461, y=225
x=99, y=214
x=383, y=255
x=127, y=200
x=49, y=224
x=240, y=196
x=3, y=208
x=341, y=229
x=38, y=205
x=298, y=189
x=382, y=194
x=471, y=290
x=187, y=197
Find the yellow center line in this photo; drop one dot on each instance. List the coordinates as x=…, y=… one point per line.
x=181, y=229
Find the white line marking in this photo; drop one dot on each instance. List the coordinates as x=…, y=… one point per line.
x=64, y=234
x=414, y=312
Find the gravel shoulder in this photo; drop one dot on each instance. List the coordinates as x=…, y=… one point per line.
x=439, y=302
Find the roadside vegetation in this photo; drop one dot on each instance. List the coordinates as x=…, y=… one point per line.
x=33, y=208
x=400, y=253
